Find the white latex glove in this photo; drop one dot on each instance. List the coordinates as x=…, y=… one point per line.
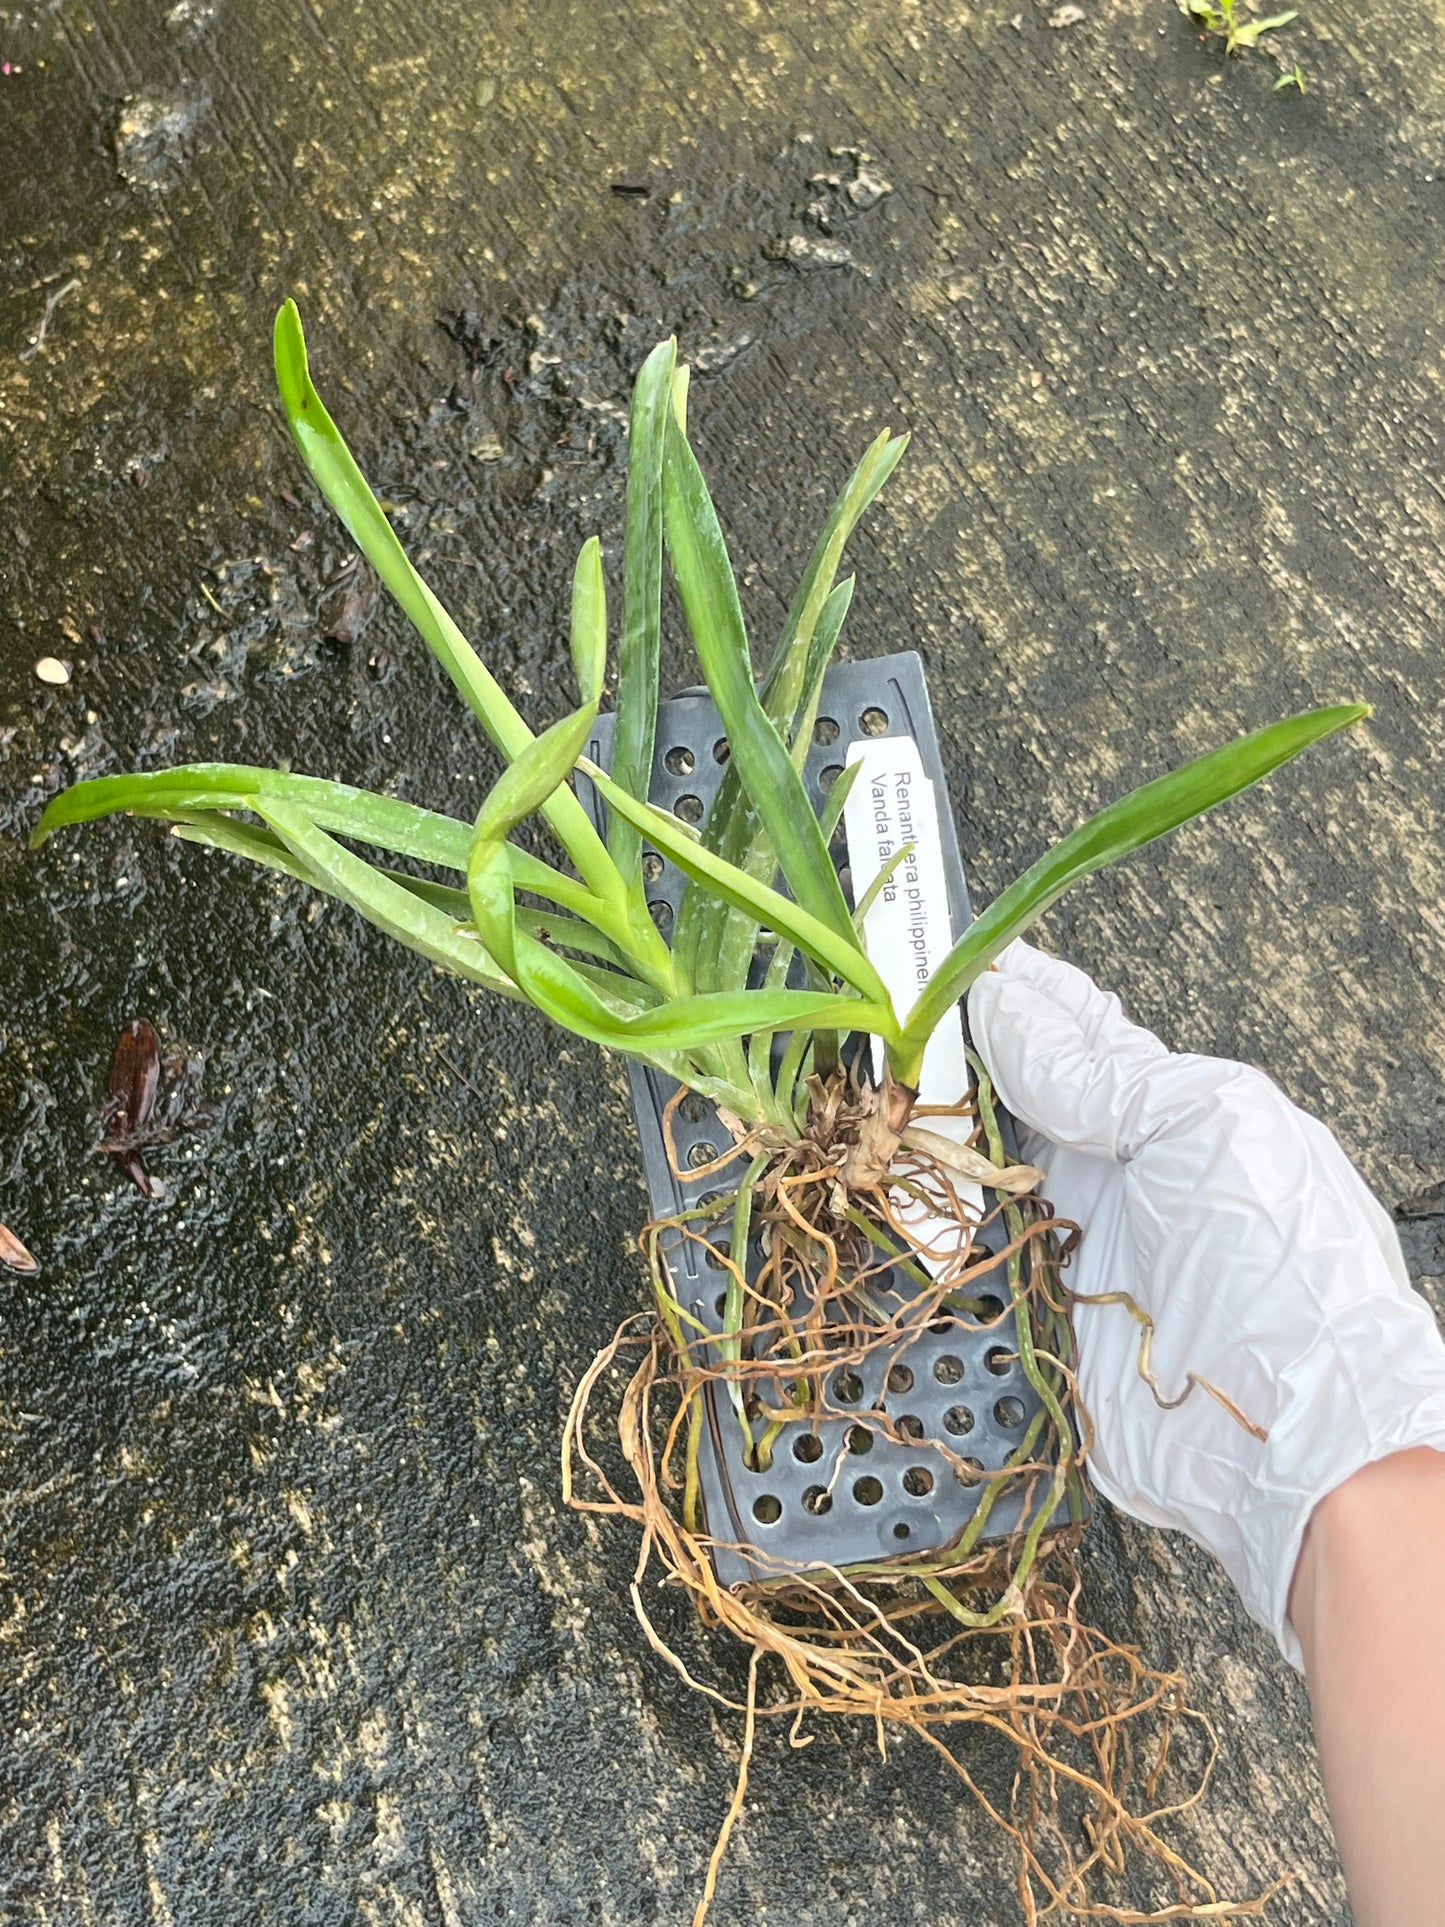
x=1269, y=1268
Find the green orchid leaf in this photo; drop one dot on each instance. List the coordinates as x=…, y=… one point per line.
x=389, y=905
x=725, y=936
x=718, y=1016
x=385, y=822
x=709, y=595
x=345, y=487
x=785, y=677
x=637, y=686
x=1135, y=820
x=710, y=940
x=832, y=814
x=820, y=654
x=537, y=772
x=258, y=845
x=543, y=766
x=769, y=908
x=589, y=623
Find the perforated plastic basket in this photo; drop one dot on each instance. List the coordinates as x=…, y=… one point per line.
x=841, y=1492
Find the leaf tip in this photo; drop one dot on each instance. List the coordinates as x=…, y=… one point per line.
x=288, y=339
x=680, y=380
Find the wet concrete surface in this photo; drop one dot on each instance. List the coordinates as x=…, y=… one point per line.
x=292, y=1625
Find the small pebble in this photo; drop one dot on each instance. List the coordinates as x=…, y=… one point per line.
x=50, y=669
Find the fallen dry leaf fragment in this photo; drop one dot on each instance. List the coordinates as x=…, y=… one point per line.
x=13, y=1253
x=1066, y=16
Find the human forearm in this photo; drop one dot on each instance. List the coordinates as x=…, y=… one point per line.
x=1368, y=1605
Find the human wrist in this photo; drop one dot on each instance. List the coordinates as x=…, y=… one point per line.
x=1373, y=1558
x=1376, y=1535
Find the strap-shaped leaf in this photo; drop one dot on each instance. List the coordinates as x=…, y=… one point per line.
x=671, y=1029
x=820, y=654
x=785, y=672
x=385, y=822
x=389, y=905
x=346, y=489
x=709, y=939
x=713, y=940
x=589, y=622
x=636, y=728
x=265, y=847
x=1135, y=820
x=536, y=774
x=709, y=594
x=843, y=958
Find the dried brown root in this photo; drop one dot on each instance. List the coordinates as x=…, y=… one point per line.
x=985, y=1634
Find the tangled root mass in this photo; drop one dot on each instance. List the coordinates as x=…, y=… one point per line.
x=984, y=1633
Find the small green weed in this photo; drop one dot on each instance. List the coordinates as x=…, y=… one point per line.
x=1222, y=19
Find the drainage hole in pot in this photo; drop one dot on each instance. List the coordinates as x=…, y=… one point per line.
x=767, y=1510
x=1009, y=1412
x=694, y=1107
x=721, y=750
x=900, y=1379
x=661, y=914
x=989, y=1308
x=941, y=1327
x=860, y=1439
x=917, y=1481
x=867, y=1491
x=909, y=1427
x=874, y=722
x=903, y=1530
x=817, y=1500
x=825, y=730
x=847, y=1388
x=702, y=1153
x=948, y=1370
x=1000, y=1360
x=829, y=776
x=680, y=761
x=652, y=866
x=808, y=1447
x=716, y=1255
x=968, y=1471
x=958, y=1420
x=689, y=808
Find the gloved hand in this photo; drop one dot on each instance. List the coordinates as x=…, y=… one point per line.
x=1237, y=1223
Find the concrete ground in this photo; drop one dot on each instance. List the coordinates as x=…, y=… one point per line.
x=293, y=1628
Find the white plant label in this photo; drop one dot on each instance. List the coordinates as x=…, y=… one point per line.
x=907, y=931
